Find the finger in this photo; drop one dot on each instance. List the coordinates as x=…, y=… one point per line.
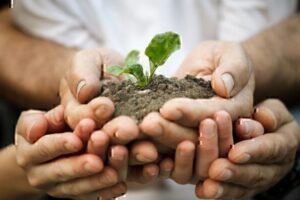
x=165, y=132
x=46, y=148
x=99, y=109
x=250, y=175
x=232, y=75
x=55, y=119
x=225, y=136
x=142, y=152
x=143, y=174
x=64, y=169
x=166, y=167
x=112, y=192
x=84, y=129
x=207, y=150
x=267, y=148
x=121, y=130
x=31, y=125
x=85, y=74
x=189, y=112
x=118, y=159
x=107, y=178
x=272, y=114
x=216, y=190
x=248, y=128
x=98, y=144
x=184, y=162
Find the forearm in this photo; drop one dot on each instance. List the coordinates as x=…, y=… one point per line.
x=14, y=185
x=276, y=60
x=31, y=68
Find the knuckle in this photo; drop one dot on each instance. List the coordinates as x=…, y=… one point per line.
x=43, y=148
x=258, y=179
x=34, y=182
x=109, y=176
x=58, y=191
x=22, y=162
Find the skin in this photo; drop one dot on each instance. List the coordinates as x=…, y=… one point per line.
x=74, y=161
x=255, y=165
x=216, y=82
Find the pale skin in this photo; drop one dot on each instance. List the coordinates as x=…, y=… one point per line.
x=258, y=48
x=227, y=91
x=80, y=176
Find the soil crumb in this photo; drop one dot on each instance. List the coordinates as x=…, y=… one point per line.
x=137, y=102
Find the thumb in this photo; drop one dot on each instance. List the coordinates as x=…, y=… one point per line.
x=31, y=125
x=233, y=72
x=86, y=71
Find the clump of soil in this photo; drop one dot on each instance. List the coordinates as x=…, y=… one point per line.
x=137, y=102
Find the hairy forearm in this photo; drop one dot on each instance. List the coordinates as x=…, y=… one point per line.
x=276, y=59
x=31, y=68
x=13, y=182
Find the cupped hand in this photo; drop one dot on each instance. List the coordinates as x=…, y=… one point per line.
x=232, y=78
x=194, y=149
x=55, y=162
x=82, y=83
x=255, y=165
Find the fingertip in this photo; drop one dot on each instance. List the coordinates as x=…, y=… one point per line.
x=87, y=89
x=144, y=152
x=55, y=118
x=151, y=125
x=266, y=117
x=212, y=189
x=37, y=128
x=103, y=108
x=93, y=163
x=222, y=84
x=85, y=128
x=171, y=110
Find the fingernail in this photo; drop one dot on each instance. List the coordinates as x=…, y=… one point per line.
x=115, y=155
x=30, y=137
x=243, y=158
x=246, y=126
x=227, y=174
x=219, y=192
x=208, y=131
x=228, y=82
x=153, y=173
x=255, y=110
x=80, y=85
x=143, y=159
x=176, y=113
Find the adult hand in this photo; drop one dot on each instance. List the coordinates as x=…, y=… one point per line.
x=82, y=82
x=232, y=78
x=257, y=164
x=52, y=162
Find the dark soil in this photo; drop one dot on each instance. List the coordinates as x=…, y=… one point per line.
x=136, y=102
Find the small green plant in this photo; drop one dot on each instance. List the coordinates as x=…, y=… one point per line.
x=158, y=51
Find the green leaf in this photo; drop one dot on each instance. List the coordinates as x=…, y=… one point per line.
x=137, y=71
x=132, y=57
x=161, y=47
x=115, y=70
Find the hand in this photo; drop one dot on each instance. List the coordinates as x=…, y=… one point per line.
x=52, y=162
x=231, y=75
x=213, y=139
x=257, y=164
x=82, y=82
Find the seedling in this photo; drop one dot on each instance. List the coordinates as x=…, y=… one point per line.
x=158, y=51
